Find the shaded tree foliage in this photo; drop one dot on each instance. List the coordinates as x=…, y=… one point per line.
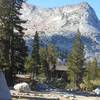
x=36, y=55
x=75, y=61
x=13, y=49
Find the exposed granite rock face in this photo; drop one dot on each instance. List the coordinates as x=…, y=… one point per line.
x=60, y=25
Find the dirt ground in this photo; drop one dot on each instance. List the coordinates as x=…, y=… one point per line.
x=69, y=98
x=50, y=96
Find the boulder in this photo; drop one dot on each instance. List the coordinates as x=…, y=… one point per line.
x=22, y=87
x=4, y=90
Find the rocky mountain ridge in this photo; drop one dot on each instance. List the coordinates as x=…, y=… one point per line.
x=60, y=25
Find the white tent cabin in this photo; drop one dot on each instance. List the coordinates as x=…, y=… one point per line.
x=4, y=90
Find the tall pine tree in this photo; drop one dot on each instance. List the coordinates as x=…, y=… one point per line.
x=75, y=61
x=13, y=49
x=91, y=70
x=18, y=50
x=90, y=74
x=36, y=56
x=48, y=61
x=4, y=33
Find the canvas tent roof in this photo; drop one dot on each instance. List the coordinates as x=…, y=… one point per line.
x=4, y=90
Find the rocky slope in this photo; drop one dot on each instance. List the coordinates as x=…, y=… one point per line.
x=60, y=25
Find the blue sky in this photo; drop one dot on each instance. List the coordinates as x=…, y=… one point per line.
x=56, y=3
